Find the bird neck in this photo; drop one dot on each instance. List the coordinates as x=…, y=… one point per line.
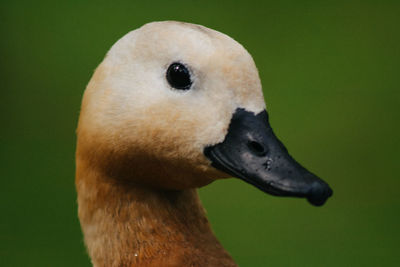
x=128, y=224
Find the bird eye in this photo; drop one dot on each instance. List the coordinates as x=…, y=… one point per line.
x=178, y=76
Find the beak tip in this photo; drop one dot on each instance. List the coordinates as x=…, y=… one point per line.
x=319, y=193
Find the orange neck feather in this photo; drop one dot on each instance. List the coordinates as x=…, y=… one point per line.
x=133, y=225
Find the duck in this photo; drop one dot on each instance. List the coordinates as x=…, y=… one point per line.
x=173, y=107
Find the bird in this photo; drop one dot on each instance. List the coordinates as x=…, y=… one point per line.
x=173, y=107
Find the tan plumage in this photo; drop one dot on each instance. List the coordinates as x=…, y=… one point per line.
x=140, y=145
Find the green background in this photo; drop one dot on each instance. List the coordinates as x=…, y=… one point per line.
x=330, y=72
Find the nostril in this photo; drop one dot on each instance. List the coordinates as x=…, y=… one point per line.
x=257, y=148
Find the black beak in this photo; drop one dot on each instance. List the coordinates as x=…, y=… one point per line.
x=253, y=153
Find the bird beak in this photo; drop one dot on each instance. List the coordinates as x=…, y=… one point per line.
x=252, y=152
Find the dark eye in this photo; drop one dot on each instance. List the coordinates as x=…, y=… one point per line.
x=178, y=76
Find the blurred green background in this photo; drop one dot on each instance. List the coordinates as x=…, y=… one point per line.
x=330, y=72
